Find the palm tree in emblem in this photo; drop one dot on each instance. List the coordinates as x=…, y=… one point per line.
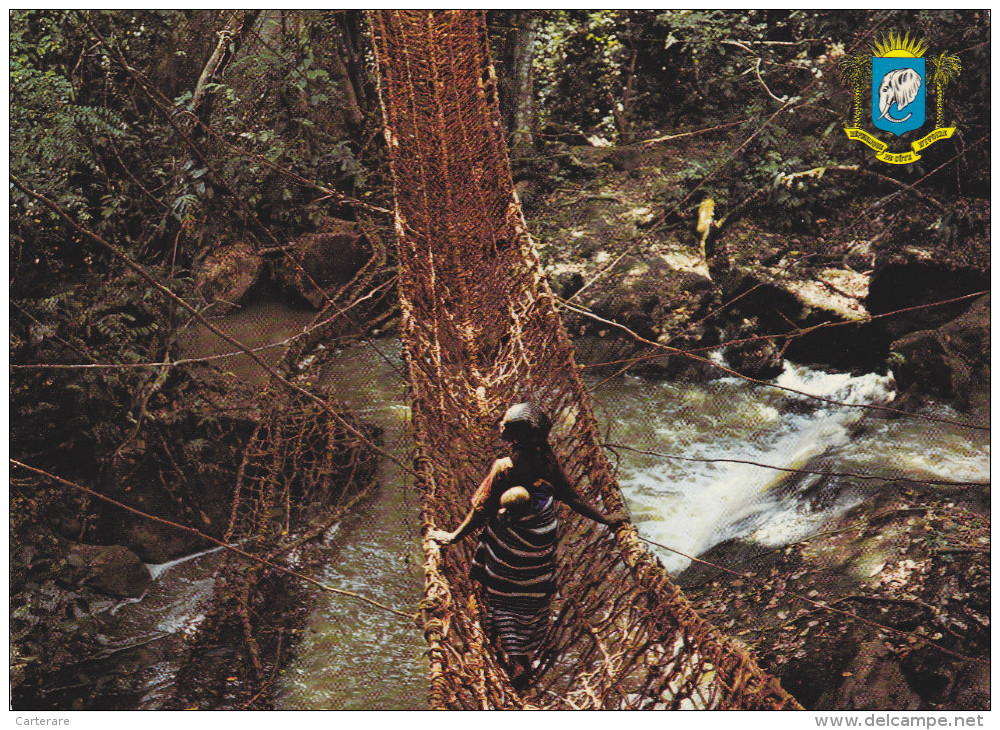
x=946, y=70
x=856, y=71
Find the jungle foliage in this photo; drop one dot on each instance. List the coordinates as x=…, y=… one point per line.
x=170, y=134
x=622, y=76
x=154, y=155
x=175, y=133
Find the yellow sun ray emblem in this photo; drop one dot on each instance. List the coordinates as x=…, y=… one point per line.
x=895, y=46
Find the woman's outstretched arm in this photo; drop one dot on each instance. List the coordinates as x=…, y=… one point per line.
x=566, y=492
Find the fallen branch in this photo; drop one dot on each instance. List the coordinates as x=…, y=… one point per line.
x=230, y=39
x=669, y=137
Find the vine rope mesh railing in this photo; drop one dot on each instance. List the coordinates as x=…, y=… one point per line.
x=480, y=331
x=301, y=468
x=306, y=462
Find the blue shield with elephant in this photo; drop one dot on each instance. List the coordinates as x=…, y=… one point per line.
x=898, y=94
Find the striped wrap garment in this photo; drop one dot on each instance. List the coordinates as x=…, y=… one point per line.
x=515, y=562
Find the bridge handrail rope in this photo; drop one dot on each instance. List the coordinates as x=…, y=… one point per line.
x=268, y=562
x=788, y=336
x=585, y=312
x=474, y=265
x=790, y=470
x=611, y=445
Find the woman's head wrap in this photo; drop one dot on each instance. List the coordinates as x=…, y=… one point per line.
x=525, y=423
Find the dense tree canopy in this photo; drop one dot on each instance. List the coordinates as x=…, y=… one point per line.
x=144, y=125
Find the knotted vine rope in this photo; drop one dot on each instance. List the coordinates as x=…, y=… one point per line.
x=480, y=331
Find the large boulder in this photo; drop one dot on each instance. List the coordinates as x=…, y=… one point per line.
x=156, y=543
x=913, y=276
x=758, y=358
x=654, y=299
x=649, y=297
x=773, y=301
x=327, y=259
x=225, y=278
x=950, y=362
x=111, y=569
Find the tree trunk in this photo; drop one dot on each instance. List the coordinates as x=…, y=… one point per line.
x=522, y=106
x=231, y=37
x=622, y=111
x=339, y=69
x=351, y=24
x=516, y=31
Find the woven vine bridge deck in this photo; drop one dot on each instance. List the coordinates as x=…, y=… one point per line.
x=480, y=331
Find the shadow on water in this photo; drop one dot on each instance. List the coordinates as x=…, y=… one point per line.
x=263, y=324
x=353, y=656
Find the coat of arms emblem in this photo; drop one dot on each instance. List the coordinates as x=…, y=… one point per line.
x=898, y=77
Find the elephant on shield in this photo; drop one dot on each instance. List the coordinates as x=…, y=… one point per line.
x=898, y=87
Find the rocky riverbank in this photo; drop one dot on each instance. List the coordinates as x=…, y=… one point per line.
x=76, y=561
x=845, y=293
x=889, y=608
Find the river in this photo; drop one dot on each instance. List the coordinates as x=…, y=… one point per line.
x=356, y=657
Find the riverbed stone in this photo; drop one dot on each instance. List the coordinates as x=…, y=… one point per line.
x=760, y=359
x=771, y=301
x=156, y=543
x=111, y=569
x=649, y=297
x=328, y=259
x=951, y=362
x=875, y=681
x=567, y=283
x=228, y=276
x=917, y=275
